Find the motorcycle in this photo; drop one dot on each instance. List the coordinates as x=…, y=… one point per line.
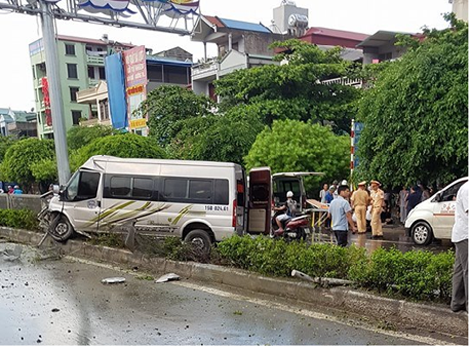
x=297, y=228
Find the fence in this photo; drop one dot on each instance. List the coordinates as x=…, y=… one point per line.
x=24, y=201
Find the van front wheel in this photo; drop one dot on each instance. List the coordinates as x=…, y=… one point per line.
x=421, y=233
x=61, y=229
x=200, y=239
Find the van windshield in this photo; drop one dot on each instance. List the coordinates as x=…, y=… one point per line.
x=83, y=186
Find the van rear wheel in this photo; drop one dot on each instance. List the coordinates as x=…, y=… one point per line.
x=421, y=233
x=199, y=239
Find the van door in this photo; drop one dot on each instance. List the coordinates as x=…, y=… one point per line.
x=84, y=200
x=444, y=211
x=259, y=206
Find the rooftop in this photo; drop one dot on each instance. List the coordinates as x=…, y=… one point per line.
x=343, y=34
x=246, y=26
x=379, y=38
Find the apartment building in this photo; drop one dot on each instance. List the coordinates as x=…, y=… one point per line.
x=81, y=66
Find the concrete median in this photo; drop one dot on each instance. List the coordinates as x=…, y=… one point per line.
x=403, y=314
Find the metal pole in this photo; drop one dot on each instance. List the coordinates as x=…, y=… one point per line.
x=53, y=77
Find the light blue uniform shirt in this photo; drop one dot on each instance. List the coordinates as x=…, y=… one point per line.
x=338, y=209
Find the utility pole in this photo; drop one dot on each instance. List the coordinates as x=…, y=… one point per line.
x=53, y=79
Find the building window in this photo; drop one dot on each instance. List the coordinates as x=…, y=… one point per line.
x=69, y=49
x=73, y=93
x=34, y=72
x=385, y=56
x=76, y=116
x=72, y=71
x=102, y=73
x=91, y=72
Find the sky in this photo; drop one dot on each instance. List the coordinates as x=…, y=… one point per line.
x=362, y=16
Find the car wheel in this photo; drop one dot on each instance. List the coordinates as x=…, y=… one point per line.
x=421, y=233
x=199, y=239
x=61, y=229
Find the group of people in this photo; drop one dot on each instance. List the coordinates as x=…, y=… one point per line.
x=15, y=190
x=342, y=205
x=408, y=199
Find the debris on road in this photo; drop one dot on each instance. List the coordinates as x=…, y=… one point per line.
x=168, y=277
x=115, y=280
x=322, y=281
x=12, y=254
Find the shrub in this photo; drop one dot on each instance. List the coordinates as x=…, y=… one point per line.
x=420, y=275
x=21, y=218
x=278, y=258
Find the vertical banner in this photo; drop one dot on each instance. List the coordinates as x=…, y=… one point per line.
x=135, y=70
x=356, y=131
x=116, y=90
x=47, y=101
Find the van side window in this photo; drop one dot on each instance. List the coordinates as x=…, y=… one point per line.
x=175, y=188
x=120, y=186
x=221, y=194
x=142, y=188
x=200, y=190
x=88, y=186
x=451, y=193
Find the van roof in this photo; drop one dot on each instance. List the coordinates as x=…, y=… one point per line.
x=295, y=174
x=93, y=161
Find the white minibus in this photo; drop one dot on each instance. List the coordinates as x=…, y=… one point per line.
x=200, y=202
x=434, y=218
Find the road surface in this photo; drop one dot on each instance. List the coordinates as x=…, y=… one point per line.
x=63, y=302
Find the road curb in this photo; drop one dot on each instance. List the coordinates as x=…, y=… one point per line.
x=402, y=314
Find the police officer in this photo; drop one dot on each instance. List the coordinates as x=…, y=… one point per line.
x=377, y=196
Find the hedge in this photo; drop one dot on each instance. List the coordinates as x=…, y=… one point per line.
x=21, y=218
x=419, y=275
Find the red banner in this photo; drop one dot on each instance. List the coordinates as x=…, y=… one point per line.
x=47, y=101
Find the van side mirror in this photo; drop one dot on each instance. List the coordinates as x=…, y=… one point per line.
x=56, y=189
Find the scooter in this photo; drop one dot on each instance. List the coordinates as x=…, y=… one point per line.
x=297, y=228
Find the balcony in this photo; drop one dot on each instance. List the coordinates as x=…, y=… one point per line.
x=95, y=60
x=93, y=82
x=205, y=71
x=94, y=121
x=344, y=81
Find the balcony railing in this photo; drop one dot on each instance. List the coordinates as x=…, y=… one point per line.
x=95, y=60
x=343, y=81
x=205, y=69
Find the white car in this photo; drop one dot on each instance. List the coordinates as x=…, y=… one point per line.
x=434, y=218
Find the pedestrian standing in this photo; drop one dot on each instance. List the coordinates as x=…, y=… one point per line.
x=323, y=193
x=413, y=199
x=460, y=239
x=340, y=213
x=377, y=200
x=426, y=194
x=360, y=199
x=335, y=192
x=329, y=195
x=402, y=196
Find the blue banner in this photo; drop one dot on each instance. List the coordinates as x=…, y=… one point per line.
x=358, y=127
x=116, y=90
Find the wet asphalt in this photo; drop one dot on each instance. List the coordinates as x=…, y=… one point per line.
x=63, y=302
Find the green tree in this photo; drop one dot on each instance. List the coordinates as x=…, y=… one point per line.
x=5, y=143
x=298, y=146
x=224, y=138
x=79, y=136
x=416, y=115
x=168, y=106
x=22, y=156
x=294, y=90
x=122, y=145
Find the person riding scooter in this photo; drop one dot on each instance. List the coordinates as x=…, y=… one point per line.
x=290, y=207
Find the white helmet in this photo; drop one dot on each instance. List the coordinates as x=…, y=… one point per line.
x=290, y=194
x=344, y=183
